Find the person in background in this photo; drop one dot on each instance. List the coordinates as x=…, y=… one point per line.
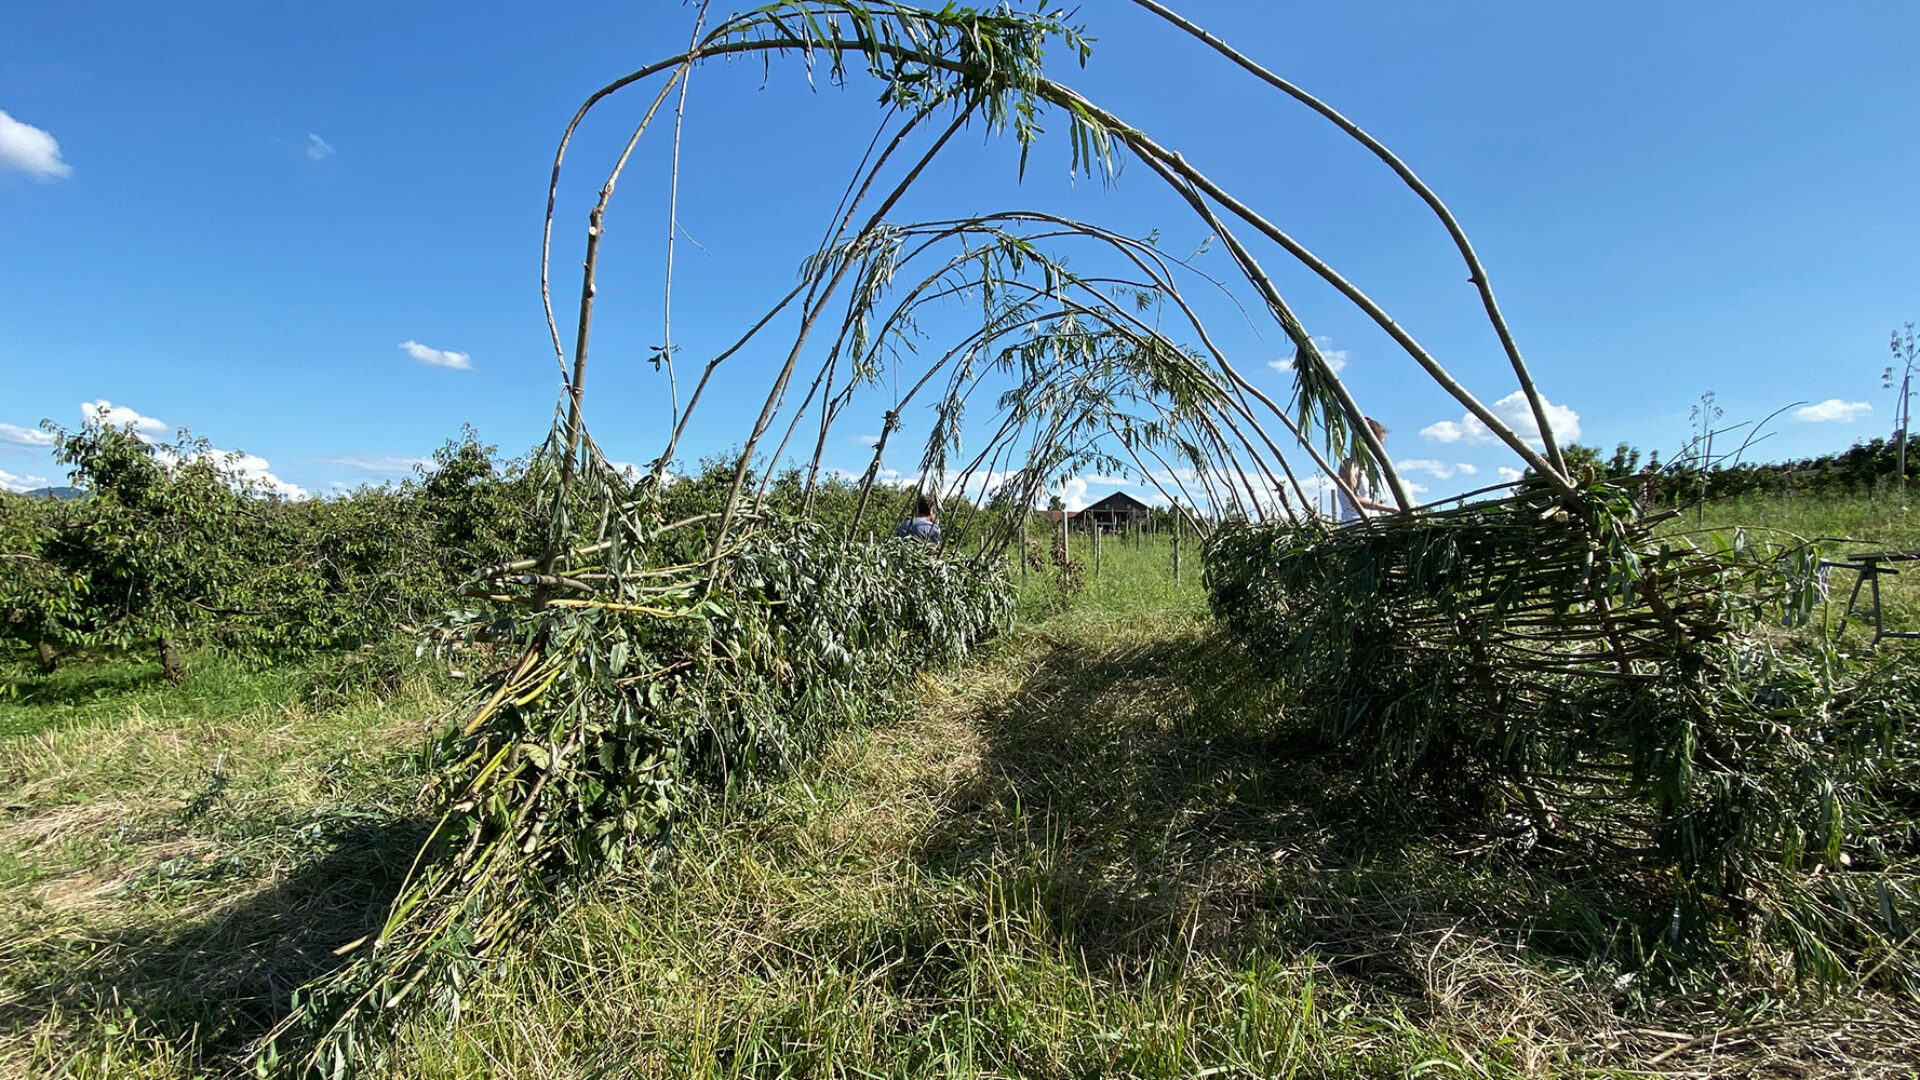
x=1357, y=479
x=923, y=525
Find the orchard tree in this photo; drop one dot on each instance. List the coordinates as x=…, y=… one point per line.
x=41, y=602
x=481, y=510
x=158, y=540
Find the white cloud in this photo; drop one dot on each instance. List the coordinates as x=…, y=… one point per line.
x=1834, y=411
x=318, y=148
x=30, y=150
x=1335, y=358
x=253, y=469
x=1510, y=475
x=11, y=482
x=978, y=486
x=1518, y=415
x=1439, y=470
x=242, y=470
x=24, y=436
x=248, y=469
x=146, y=427
x=867, y=440
x=1074, y=492
x=381, y=464
x=432, y=357
x=885, y=476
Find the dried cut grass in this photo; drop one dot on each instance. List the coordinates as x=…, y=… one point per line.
x=58, y=823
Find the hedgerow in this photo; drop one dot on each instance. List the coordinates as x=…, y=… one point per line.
x=170, y=547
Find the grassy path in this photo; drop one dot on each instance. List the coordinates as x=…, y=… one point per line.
x=1097, y=849
x=1073, y=858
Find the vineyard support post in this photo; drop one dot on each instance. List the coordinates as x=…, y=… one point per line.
x=1906, y=397
x=1024, y=516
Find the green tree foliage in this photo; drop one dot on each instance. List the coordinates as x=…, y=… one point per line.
x=158, y=541
x=1865, y=468
x=171, y=546
x=40, y=600
x=481, y=511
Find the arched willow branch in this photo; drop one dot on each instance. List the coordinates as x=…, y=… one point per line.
x=1008, y=88
x=1477, y=273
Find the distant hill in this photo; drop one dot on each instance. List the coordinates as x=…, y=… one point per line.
x=64, y=494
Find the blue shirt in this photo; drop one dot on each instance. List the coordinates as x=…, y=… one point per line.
x=921, y=529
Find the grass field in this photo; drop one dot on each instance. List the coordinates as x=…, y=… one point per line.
x=1841, y=527
x=1098, y=848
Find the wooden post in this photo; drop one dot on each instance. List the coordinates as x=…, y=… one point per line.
x=1066, y=541
x=1025, y=516
x=1096, y=549
x=1176, y=549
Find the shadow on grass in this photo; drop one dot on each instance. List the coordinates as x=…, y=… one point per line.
x=219, y=982
x=1153, y=800
x=77, y=683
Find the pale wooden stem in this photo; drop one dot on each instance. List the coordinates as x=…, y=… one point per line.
x=1295, y=332
x=1151, y=152
x=673, y=230
x=576, y=384
x=786, y=372
x=1476, y=272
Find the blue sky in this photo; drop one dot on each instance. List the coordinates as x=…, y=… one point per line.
x=311, y=231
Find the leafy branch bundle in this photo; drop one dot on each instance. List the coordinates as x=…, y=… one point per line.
x=637, y=689
x=1633, y=695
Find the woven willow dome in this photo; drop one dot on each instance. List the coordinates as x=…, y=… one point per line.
x=651, y=654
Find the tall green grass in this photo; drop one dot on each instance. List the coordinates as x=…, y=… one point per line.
x=1840, y=526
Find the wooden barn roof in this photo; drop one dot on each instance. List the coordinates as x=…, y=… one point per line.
x=1119, y=501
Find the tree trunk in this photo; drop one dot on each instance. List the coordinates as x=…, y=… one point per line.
x=48, y=658
x=170, y=665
